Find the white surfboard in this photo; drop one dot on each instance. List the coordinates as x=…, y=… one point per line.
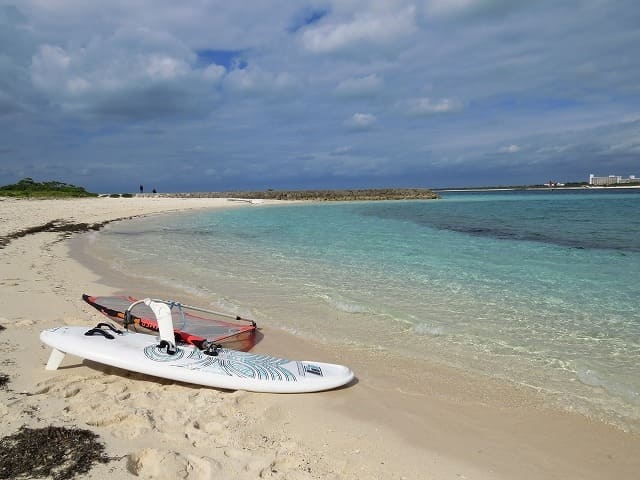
x=221, y=368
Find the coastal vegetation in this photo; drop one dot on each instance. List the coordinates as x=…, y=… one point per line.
x=27, y=187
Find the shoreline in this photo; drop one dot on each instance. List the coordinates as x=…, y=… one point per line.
x=406, y=419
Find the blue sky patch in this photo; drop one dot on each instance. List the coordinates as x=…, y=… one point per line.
x=307, y=17
x=229, y=59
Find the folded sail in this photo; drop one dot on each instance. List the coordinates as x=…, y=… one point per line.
x=189, y=327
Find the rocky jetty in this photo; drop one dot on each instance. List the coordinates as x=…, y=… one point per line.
x=316, y=195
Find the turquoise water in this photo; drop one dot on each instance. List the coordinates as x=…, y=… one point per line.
x=540, y=288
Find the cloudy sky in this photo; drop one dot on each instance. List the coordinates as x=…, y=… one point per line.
x=208, y=95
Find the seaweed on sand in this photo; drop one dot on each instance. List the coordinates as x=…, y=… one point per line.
x=55, y=452
x=62, y=226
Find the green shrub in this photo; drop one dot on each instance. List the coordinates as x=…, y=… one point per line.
x=27, y=187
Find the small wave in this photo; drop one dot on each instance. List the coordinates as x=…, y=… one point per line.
x=597, y=379
x=226, y=305
x=345, y=305
x=431, y=330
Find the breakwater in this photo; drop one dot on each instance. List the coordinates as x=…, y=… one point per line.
x=316, y=195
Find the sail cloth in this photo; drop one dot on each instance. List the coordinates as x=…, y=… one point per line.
x=188, y=326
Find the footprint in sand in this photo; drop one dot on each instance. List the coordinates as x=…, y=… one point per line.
x=211, y=433
x=154, y=464
x=122, y=424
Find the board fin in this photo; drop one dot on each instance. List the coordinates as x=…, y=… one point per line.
x=55, y=359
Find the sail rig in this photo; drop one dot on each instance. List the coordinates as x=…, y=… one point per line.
x=192, y=325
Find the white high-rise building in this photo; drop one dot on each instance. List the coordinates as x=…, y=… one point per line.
x=611, y=180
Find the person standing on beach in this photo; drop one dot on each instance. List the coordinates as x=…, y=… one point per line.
x=141, y=189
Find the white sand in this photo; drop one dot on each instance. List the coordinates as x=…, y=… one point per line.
x=427, y=423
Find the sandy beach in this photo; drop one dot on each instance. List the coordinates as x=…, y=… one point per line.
x=405, y=419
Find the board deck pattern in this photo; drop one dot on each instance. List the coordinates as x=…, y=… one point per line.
x=229, y=362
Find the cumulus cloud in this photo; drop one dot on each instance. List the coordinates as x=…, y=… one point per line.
x=344, y=150
x=360, y=86
x=428, y=106
x=443, y=7
x=452, y=8
x=254, y=80
x=361, y=121
x=378, y=28
x=511, y=149
x=214, y=72
x=131, y=74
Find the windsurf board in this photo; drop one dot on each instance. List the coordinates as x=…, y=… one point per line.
x=218, y=367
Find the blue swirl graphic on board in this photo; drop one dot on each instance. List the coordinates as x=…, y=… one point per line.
x=256, y=366
x=228, y=362
x=155, y=353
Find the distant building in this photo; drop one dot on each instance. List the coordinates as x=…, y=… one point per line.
x=611, y=180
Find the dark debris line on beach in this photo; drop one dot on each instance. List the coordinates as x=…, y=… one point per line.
x=61, y=226
x=55, y=452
